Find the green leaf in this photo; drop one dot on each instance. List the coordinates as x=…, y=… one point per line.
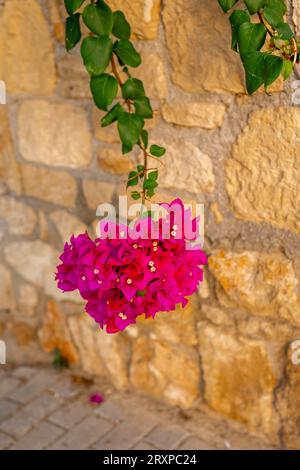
x=127, y=53
x=285, y=31
x=140, y=169
x=237, y=18
x=273, y=16
x=73, y=5
x=121, y=27
x=132, y=89
x=254, y=5
x=287, y=69
x=153, y=175
x=141, y=293
x=73, y=32
x=277, y=4
x=112, y=115
x=104, y=90
x=150, y=184
x=143, y=107
x=251, y=37
x=96, y=53
x=145, y=137
x=254, y=68
x=157, y=151
x=272, y=69
x=135, y=195
x=133, y=179
x=227, y=4
x=98, y=18
x=129, y=126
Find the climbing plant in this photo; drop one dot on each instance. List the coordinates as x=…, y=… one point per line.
x=108, y=54
x=267, y=45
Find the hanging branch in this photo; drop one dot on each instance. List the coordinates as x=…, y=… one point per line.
x=107, y=52
x=280, y=50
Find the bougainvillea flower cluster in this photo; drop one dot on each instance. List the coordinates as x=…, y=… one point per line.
x=128, y=272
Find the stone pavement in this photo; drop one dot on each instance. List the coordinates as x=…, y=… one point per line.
x=41, y=408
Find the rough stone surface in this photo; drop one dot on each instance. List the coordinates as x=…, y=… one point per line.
x=100, y=354
x=152, y=73
x=9, y=169
x=198, y=25
x=239, y=378
x=55, y=335
x=143, y=15
x=27, y=300
x=53, y=186
x=36, y=261
x=154, y=370
x=7, y=300
x=187, y=168
x=21, y=219
x=263, y=172
x=54, y=133
x=73, y=78
x=67, y=224
x=262, y=283
x=288, y=401
x=196, y=114
x=112, y=161
x=26, y=49
x=97, y=192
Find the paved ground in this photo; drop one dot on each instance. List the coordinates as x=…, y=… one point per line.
x=44, y=409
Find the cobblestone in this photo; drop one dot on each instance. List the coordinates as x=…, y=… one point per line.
x=43, y=409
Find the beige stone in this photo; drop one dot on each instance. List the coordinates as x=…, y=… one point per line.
x=36, y=261
x=7, y=299
x=9, y=169
x=152, y=73
x=67, y=224
x=296, y=14
x=49, y=185
x=24, y=333
x=84, y=334
x=217, y=315
x=73, y=79
x=57, y=13
x=111, y=160
x=262, y=283
x=100, y=353
x=26, y=50
x=195, y=114
x=97, y=192
x=215, y=209
x=28, y=300
x=143, y=16
x=263, y=173
x=54, y=334
x=288, y=399
x=20, y=218
x=198, y=37
x=239, y=378
x=178, y=327
x=166, y=371
x=187, y=168
x=54, y=133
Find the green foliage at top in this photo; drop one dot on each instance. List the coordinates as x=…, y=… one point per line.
x=266, y=44
x=107, y=52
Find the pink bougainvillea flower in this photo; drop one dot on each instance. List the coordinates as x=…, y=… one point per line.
x=145, y=269
x=96, y=399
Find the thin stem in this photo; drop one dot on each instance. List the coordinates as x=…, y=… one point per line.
x=117, y=75
x=262, y=20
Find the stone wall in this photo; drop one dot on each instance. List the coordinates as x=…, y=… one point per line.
x=229, y=350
